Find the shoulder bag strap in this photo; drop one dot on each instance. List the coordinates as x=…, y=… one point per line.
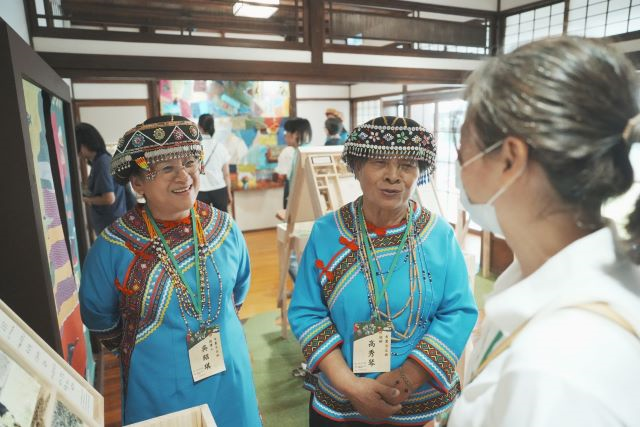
x=211, y=155
x=600, y=308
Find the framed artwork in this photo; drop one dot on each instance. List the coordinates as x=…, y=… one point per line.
x=61, y=269
x=43, y=245
x=59, y=138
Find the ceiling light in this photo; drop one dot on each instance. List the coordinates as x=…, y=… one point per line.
x=253, y=9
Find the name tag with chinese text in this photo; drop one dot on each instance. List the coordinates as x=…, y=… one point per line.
x=371, y=347
x=205, y=353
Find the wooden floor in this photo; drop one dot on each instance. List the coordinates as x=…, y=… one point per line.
x=262, y=297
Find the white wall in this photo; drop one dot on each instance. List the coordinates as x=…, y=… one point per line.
x=360, y=90
x=104, y=47
x=313, y=108
x=322, y=91
x=110, y=91
x=314, y=112
x=399, y=61
x=113, y=122
x=12, y=11
x=256, y=209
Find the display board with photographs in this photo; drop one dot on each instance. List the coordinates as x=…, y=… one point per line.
x=37, y=386
x=248, y=117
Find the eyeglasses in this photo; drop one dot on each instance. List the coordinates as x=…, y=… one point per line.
x=172, y=170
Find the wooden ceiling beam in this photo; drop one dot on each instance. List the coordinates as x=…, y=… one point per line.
x=85, y=15
x=117, y=66
x=411, y=6
x=146, y=37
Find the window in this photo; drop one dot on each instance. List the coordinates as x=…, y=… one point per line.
x=603, y=18
x=444, y=119
x=450, y=115
x=393, y=106
x=367, y=110
x=531, y=25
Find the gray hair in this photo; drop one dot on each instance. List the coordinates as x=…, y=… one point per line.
x=570, y=100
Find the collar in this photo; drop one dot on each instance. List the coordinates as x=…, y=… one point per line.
x=587, y=270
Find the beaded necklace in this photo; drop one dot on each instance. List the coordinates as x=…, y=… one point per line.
x=369, y=263
x=188, y=301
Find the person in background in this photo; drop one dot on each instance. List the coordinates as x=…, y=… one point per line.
x=382, y=305
x=297, y=132
x=332, y=113
x=107, y=199
x=333, y=127
x=162, y=286
x=545, y=142
x=215, y=185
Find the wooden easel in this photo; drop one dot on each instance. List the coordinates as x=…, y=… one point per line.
x=321, y=183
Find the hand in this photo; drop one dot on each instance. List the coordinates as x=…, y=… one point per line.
x=394, y=379
x=407, y=379
x=230, y=194
x=369, y=397
x=87, y=200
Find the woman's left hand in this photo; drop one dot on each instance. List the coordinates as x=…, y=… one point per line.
x=407, y=378
x=394, y=379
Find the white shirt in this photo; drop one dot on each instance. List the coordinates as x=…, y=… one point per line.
x=568, y=366
x=215, y=156
x=285, y=161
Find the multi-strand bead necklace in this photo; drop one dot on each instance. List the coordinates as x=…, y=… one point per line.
x=188, y=302
x=372, y=270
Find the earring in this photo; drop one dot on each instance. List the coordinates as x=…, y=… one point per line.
x=150, y=176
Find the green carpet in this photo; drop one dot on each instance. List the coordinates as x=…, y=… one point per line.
x=483, y=286
x=283, y=402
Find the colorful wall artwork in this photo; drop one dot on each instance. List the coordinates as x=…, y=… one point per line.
x=248, y=120
x=64, y=175
x=62, y=155
x=65, y=287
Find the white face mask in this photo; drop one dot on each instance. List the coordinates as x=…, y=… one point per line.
x=484, y=214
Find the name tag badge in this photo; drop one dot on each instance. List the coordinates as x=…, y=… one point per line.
x=371, y=347
x=205, y=353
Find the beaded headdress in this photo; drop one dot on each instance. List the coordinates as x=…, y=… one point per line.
x=391, y=137
x=156, y=140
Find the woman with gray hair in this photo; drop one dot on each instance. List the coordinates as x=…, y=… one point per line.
x=545, y=143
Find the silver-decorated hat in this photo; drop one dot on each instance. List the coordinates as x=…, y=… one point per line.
x=158, y=139
x=391, y=137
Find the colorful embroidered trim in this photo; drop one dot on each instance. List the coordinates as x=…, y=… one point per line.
x=318, y=340
x=438, y=361
x=419, y=408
